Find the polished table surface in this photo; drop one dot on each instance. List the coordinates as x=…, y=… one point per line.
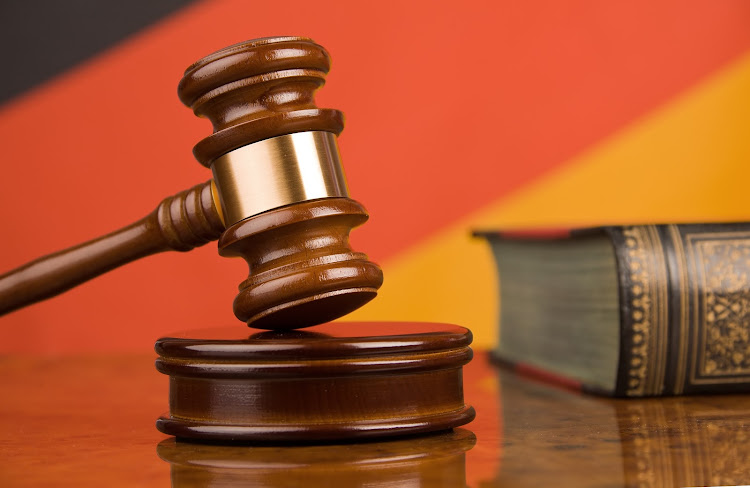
x=89, y=421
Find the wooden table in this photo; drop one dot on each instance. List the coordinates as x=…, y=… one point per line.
x=89, y=421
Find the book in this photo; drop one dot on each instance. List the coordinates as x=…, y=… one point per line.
x=628, y=311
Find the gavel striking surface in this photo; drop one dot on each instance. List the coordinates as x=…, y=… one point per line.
x=86, y=421
x=329, y=382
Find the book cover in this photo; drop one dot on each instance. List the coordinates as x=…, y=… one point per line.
x=683, y=305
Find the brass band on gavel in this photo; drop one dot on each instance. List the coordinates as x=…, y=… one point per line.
x=276, y=172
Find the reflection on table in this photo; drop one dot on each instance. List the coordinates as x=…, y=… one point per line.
x=89, y=421
x=432, y=460
x=553, y=435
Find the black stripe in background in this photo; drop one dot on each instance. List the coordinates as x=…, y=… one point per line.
x=41, y=38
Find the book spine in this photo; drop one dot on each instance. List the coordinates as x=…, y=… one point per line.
x=684, y=308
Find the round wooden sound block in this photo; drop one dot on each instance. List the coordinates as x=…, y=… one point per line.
x=336, y=381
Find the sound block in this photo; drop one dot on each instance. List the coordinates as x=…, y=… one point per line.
x=336, y=381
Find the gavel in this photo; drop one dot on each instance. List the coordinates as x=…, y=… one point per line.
x=278, y=197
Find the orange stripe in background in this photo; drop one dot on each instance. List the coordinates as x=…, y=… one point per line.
x=687, y=161
x=449, y=107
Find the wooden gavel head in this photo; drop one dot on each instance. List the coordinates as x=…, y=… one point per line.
x=279, y=183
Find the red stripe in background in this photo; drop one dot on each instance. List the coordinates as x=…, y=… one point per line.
x=449, y=105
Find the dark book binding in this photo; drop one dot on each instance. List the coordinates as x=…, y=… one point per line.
x=684, y=308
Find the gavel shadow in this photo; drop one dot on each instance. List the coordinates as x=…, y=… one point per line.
x=432, y=460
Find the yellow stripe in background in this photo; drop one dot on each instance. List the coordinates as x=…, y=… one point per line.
x=689, y=160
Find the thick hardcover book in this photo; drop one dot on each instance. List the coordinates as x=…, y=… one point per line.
x=630, y=310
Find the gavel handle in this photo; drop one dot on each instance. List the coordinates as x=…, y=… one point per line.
x=180, y=223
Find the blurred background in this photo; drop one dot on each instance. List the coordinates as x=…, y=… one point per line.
x=460, y=116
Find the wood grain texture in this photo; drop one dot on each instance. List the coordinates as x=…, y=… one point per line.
x=81, y=421
x=180, y=223
x=336, y=382
x=302, y=270
x=432, y=460
x=258, y=89
x=554, y=436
